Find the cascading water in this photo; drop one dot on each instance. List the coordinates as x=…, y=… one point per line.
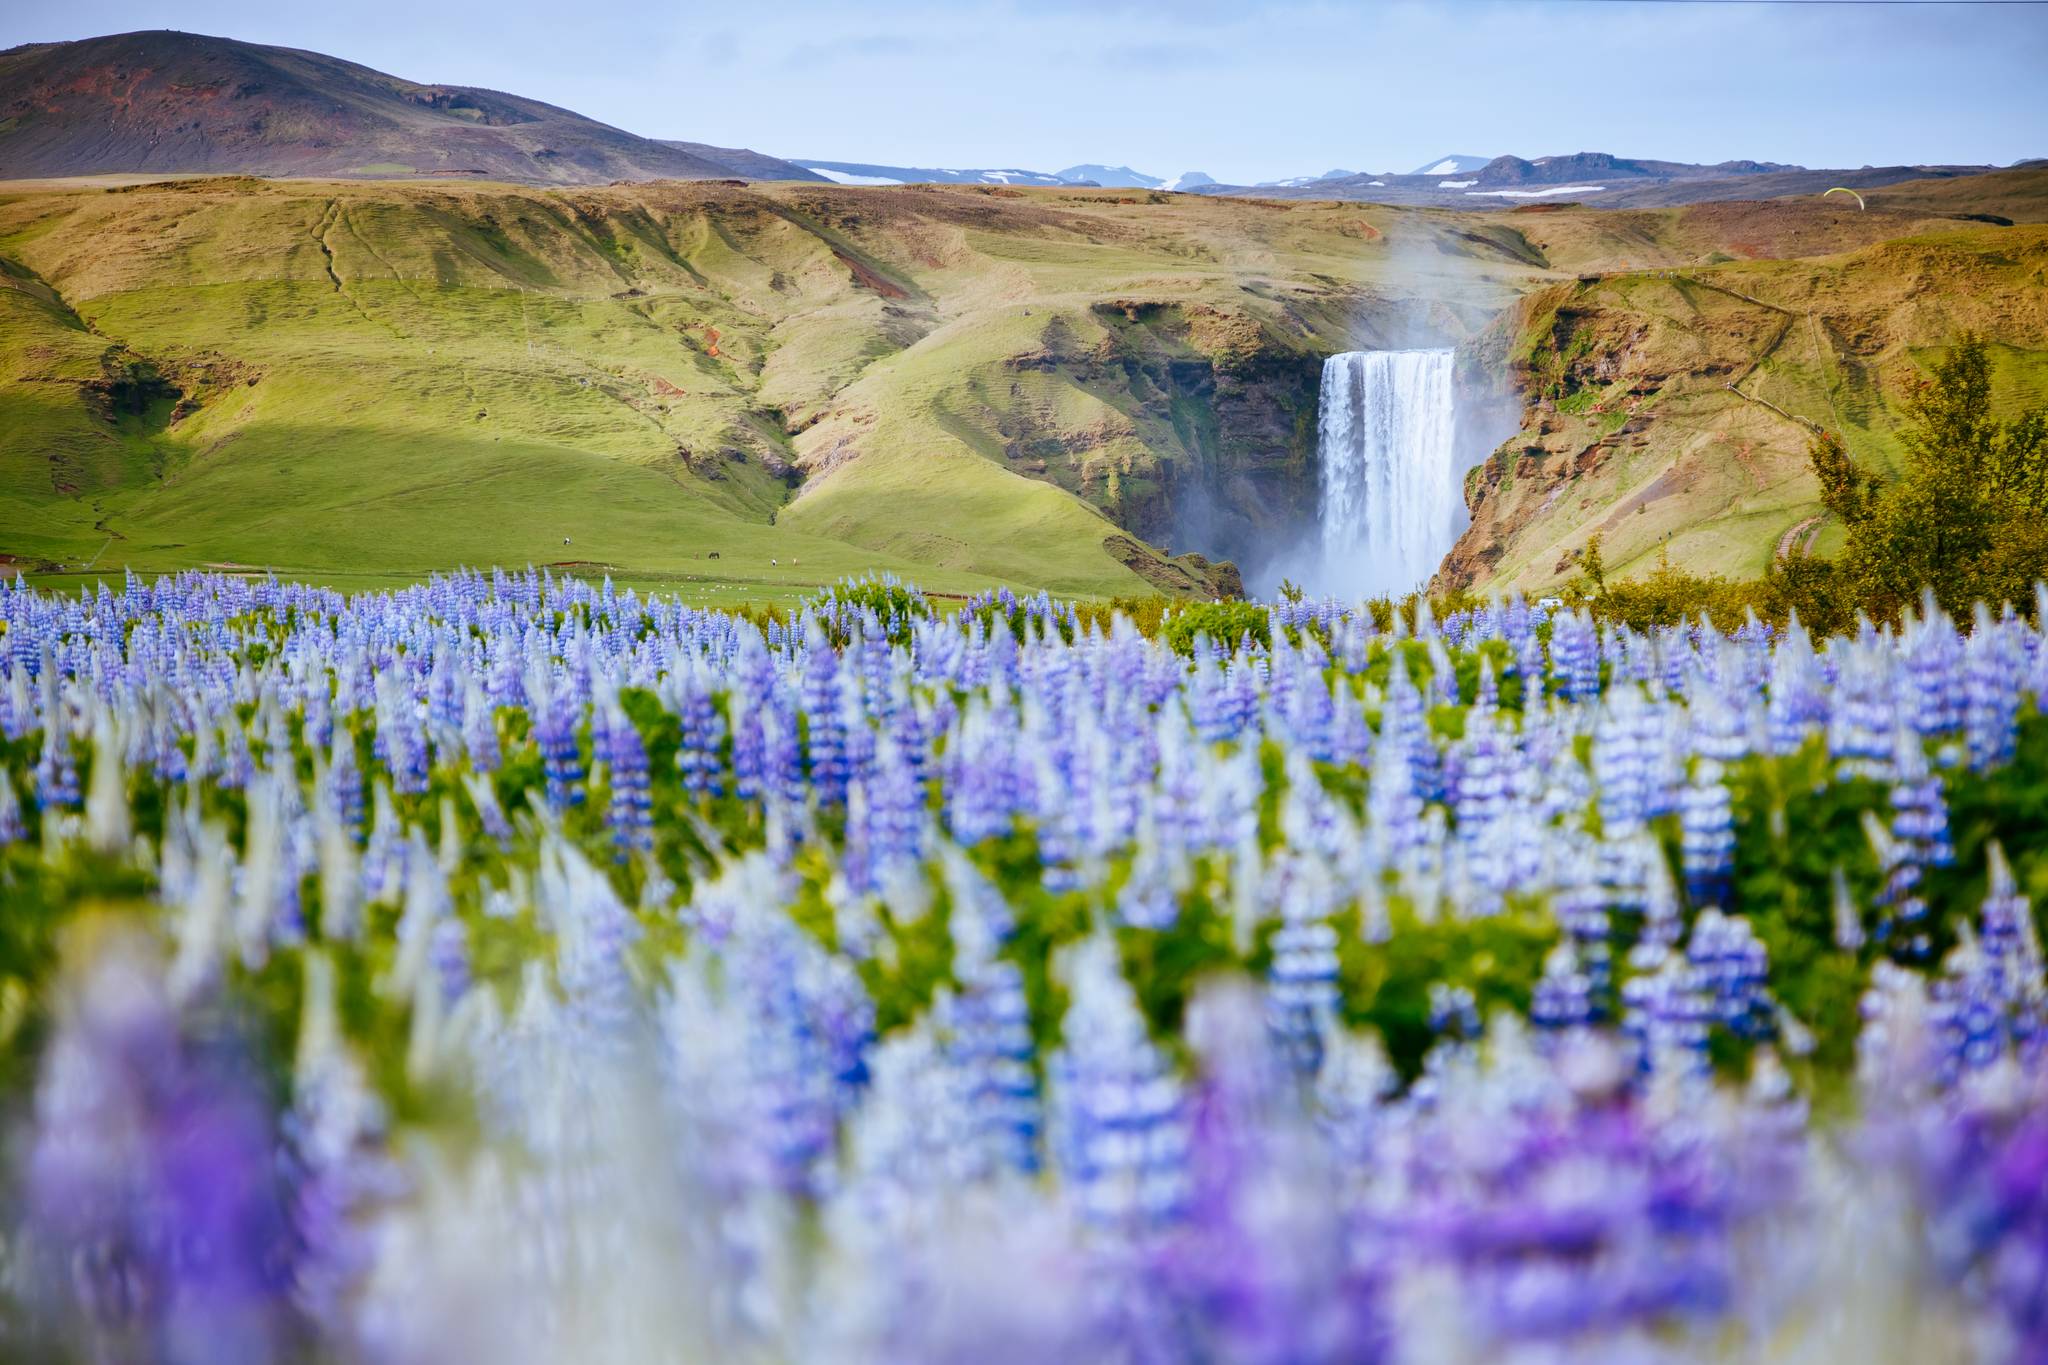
x=1390, y=500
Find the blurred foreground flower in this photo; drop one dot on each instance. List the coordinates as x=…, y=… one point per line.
x=157, y=1225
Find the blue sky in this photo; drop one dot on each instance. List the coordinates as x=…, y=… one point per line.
x=1256, y=89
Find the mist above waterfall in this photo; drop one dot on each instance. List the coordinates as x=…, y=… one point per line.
x=1387, y=449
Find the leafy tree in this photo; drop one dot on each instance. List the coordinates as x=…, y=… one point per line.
x=1845, y=490
x=1593, y=566
x=1965, y=517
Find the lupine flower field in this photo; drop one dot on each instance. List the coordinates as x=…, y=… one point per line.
x=515, y=969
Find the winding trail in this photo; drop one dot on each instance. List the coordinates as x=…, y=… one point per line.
x=1808, y=529
x=1806, y=422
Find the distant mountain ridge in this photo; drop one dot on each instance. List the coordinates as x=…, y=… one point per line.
x=166, y=103
x=1119, y=177
x=874, y=173
x=1564, y=170
x=169, y=102
x=1600, y=179
x=1445, y=165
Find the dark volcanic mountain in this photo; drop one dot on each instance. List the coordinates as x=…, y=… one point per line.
x=180, y=102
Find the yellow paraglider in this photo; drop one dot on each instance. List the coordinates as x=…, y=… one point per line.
x=1844, y=189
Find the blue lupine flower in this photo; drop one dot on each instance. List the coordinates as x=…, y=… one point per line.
x=629, y=813
x=1707, y=839
x=1120, y=1139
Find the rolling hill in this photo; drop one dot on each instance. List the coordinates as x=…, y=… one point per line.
x=1070, y=389
x=164, y=102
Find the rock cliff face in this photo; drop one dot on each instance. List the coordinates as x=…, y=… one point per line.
x=1228, y=414
x=1192, y=425
x=1670, y=411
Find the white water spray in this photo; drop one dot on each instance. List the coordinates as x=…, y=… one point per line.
x=1390, y=500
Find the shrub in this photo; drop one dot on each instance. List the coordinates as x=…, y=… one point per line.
x=1965, y=517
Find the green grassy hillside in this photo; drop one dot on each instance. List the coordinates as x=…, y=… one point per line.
x=1670, y=411
x=355, y=381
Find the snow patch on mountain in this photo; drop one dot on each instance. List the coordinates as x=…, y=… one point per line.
x=848, y=178
x=862, y=173
x=1121, y=177
x=1296, y=182
x=1452, y=165
x=1545, y=193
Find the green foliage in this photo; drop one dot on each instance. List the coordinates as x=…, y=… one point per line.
x=918, y=961
x=1225, y=623
x=897, y=605
x=1166, y=965
x=39, y=899
x=1576, y=404
x=1968, y=516
x=1148, y=614
x=1592, y=566
x=1811, y=589
x=1386, y=984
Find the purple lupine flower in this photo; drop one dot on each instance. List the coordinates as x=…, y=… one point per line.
x=1621, y=764
x=449, y=955
x=555, y=715
x=1666, y=1017
x=1403, y=726
x=629, y=813
x=56, y=770
x=703, y=733
x=595, y=931
x=1302, y=992
x=1453, y=1012
x=1581, y=906
x=479, y=729
x=825, y=729
x=1574, y=656
x=400, y=736
x=1563, y=995
x=1933, y=653
x=1706, y=820
x=11, y=828
x=1730, y=967
x=1257, y=1269
x=158, y=1225
x=1861, y=724
x=989, y=1024
x=1919, y=840
x=334, y=1134
x=1991, y=689
x=1991, y=1000
x=1120, y=1138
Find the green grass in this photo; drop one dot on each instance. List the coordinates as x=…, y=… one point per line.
x=388, y=378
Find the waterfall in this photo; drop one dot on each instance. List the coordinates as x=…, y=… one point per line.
x=1391, y=507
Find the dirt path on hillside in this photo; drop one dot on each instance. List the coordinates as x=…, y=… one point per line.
x=1786, y=541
